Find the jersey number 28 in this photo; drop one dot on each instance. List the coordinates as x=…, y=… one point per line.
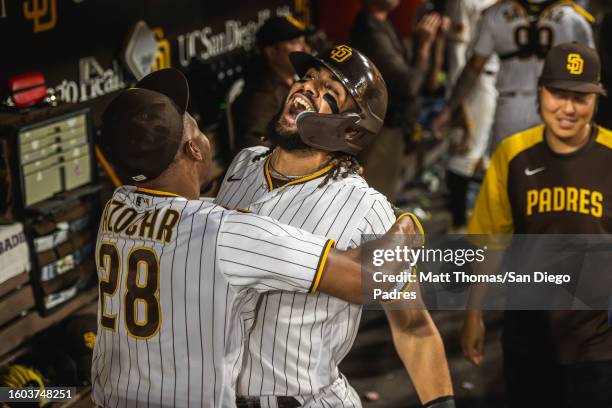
x=139, y=260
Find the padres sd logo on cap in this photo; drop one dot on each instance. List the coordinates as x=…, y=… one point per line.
x=575, y=64
x=341, y=53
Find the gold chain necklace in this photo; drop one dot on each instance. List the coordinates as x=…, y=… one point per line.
x=279, y=175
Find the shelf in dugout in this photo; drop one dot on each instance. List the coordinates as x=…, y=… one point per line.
x=21, y=330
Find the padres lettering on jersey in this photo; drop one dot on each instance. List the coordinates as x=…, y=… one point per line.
x=298, y=340
x=179, y=281
x=568, y=199
x=530, y=189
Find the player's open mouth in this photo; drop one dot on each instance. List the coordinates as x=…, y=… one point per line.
x=299, y=104
x=566, y=123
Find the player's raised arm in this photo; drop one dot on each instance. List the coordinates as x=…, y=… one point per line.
x=263, y=254
x=344, y=270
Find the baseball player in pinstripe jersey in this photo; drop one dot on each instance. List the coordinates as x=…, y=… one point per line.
x=311, y=181
x=179, y=277
x=520, y=33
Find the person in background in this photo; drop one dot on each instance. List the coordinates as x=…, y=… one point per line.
x=268, y=80
x=475, y=116
x=552, y=358
x=507, y=30
x=404, y=71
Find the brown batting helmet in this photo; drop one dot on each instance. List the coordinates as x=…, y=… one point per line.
x=363, y=82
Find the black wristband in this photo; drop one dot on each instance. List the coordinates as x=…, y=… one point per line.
x=442, y=402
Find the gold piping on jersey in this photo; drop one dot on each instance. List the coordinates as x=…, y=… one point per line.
x=301, y=180
x=315, y=283
x=604, y=137
x=588, y=16
x=419, y=226
x=416, y=221
x=157, y=193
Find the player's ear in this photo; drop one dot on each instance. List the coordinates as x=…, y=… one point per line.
x=192, y=150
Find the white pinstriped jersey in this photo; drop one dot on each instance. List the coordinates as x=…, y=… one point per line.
x=298, y=339
x=505, y=25
x=179, y=283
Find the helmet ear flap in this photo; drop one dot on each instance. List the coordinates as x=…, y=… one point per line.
x=328, y=131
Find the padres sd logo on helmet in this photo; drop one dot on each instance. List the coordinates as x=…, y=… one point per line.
x=575, y=64
x=363, y=82
x=341, y=53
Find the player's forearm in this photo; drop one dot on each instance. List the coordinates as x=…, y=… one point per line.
x=342, y=275
x=420, y=348
x=344, y=270
x=422, y=60
x=467, y=80
x=432, y=82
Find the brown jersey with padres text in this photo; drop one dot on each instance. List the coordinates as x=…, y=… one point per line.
x=530, y=189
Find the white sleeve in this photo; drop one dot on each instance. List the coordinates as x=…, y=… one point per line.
x=376, y=222
x=484, y=42
x=583, y=32
x=260, y=253
x=460, y=29
x=459, y=38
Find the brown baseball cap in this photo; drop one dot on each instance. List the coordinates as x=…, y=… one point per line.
x=572, y=67
x=283, y=28
x=142, y=128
